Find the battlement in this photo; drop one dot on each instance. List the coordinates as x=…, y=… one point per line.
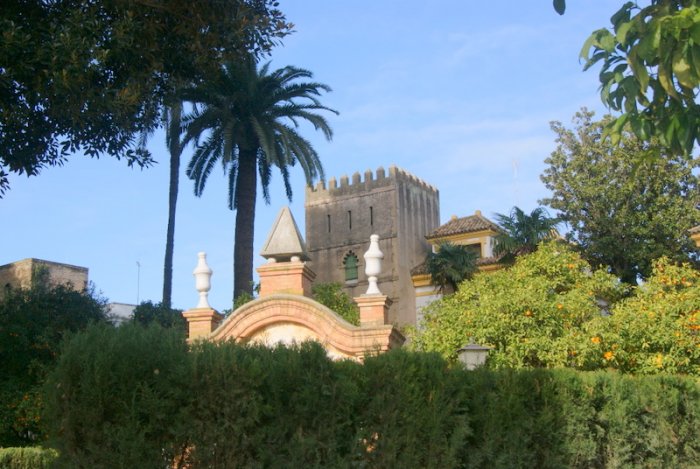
x=355, y=184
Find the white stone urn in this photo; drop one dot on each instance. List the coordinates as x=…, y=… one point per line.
x=202, y=277
x=373, y=265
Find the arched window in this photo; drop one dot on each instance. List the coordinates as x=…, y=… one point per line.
x=350, y=264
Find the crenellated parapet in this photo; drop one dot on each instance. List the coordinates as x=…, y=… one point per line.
x=392, y=203
x=361, y=183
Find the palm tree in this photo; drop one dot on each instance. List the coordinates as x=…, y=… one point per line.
x=522, y=232
x=173, y=118
x=247, y=119
x=450, y=265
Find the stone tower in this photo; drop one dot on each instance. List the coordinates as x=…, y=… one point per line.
x=340, y=218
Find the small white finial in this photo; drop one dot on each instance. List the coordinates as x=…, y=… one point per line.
x=202, y=279
x=373, y=264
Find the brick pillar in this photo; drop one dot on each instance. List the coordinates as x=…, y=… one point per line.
x=201, y=322
x=292, y=277
x=374, y=309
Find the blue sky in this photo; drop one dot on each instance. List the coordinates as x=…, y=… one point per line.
x=458, y=92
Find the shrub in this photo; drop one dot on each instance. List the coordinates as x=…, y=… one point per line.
x=654, y=331
x=332, y=296
x=262, y=407
x=564, y=418
x=115, y=398
x=232, y=405
x=147, y=312
x=33, y=322
x=413, y=412
x=533, y=314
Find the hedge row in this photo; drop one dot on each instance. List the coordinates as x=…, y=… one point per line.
x=136, y=397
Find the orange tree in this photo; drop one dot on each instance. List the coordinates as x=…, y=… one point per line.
x=655, y=331
x=534, y=314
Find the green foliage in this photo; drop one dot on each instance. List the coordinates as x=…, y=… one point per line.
x=656, y=330
x=148, y=312
x=27, y=458
x=651, y=71
x=117, y=397
x=242, y=299
x=333, y=297
x=533, y=313
x=263, y=407
x=563, y=418
x=522, y=232
x=232, y=405
x=33, y=323
x=248, y=119
x=92, y=76
x=550, y=310
x=559, y=6
x=450, y=265
x=414, y=412
x=626, y=205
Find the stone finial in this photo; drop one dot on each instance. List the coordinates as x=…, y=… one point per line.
x=284, y=241
x=373, y=264
x=202, y=276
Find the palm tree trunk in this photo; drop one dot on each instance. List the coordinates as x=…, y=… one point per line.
x=175, y=148
x=246, y=191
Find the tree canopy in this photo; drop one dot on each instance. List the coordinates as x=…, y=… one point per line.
x=551, y=309
x=626, y=205
x=247, y=118
x=450, y=265
x=532, y=313
x=33, y=323
x=91, y=76
x=522, y=232
x=650, y=70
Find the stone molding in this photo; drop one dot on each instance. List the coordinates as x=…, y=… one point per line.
x=330, y=329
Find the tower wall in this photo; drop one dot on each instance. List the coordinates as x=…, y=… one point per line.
x=341, y=216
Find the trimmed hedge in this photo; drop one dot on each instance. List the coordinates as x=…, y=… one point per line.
x=27, y=458
x=227, y=405
x=117, y=397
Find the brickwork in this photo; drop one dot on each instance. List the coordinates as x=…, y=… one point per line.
x=284, y=314
x=22, y=274
x=340, y=217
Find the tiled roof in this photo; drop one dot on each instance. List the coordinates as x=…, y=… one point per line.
x=470, y=224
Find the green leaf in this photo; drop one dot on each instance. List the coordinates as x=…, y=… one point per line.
x=559, y=6
x=667, y=81
x=671, y=130
x=694, y=32
x=605, y=40
x=586, y=47
x=682, y=70
x=695, y=57
x=622, y=32
x=638, y=69
x=623, y=14
x=631, y=87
